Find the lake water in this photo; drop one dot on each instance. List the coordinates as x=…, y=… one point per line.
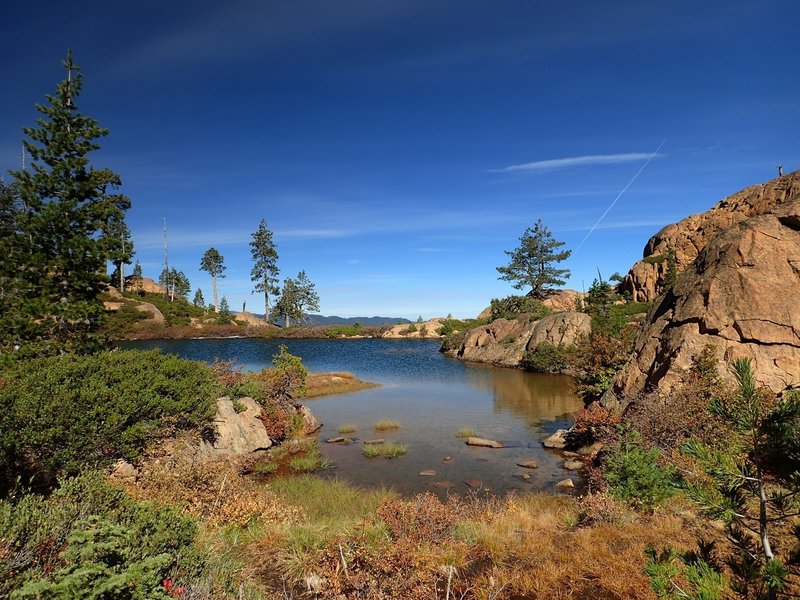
x=432, y=396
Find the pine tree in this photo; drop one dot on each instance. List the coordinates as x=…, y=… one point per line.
x=213, y=264
x=265, y=265
x=287, y=304
x=307, y=298
x=136, y=277
x=754, y=480
x=199, y=301
x=224, y=316
x=64, y=204
x=533, y=263
x=117, y=242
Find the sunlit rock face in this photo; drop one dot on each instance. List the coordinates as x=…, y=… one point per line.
x=504, y=342
x=685, y=239
x=740, y=295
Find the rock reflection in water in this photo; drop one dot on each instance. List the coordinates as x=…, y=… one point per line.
x=534, y=397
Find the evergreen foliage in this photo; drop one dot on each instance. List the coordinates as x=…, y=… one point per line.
x=754, y=480
x=298, y=298
x=199, y=301
x=90, y=540
x=265, y=265
x=511, y=307
x=136, y=277
x=224, y=314
x=176, y=283
x=533, y=263
x=63, y=414
x=62, y=220
x=213, y=264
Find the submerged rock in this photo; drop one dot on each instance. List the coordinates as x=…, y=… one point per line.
x=567, y=484
x=484, y=443
x=528, y=464
x=427, y=473
x=573, y=465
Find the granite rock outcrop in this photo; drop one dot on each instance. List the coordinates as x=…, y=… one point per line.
x=677, y=245
x=738, y=295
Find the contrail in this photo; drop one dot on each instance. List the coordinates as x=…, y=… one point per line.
x=625, y=189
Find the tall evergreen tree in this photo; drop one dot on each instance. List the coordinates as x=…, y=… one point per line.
x=287, y=306
x=533, y=263
x=136, y=277
x=64, y=203
x=265, y=265
x=213, y=264
x=117, y=241
x=307, y=297
x=199, y=301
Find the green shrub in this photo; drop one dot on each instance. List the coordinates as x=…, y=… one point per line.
x=546, y=358
x=511, y=307
x=389, y=450
x=336, y=331
x=90, y=540
x=635, y=476
x=65, y=413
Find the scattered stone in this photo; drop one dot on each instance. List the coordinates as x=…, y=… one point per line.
x=570, y=454
x=476, y=441
x=335, y=440
x=443, y=485
x=427, y=473
x=124, y=471
x=573, y=465
x=474, y=483
x=566, y=484
x=376, y=442
x=525, y=476
x=528, y=464
x=447, y=460
x=337, y=379
x=482, y=459
x=591, y=450
x=558, y=440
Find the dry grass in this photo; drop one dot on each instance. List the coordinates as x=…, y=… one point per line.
x=386, y=425
x=532, y=546
x=327, y=384
x=348, y=428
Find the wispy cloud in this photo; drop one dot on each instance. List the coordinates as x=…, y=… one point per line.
x=578, y=161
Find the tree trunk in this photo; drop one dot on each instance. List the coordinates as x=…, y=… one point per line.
x=214, y=289
x=266, y=300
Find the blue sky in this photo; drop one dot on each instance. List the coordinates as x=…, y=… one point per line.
x=397, y=148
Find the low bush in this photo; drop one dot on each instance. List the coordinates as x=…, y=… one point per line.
x=546, y=358
x=511, y=307
x=385, y=425
x=91, y=540
x=635, y=475
x=64, y=414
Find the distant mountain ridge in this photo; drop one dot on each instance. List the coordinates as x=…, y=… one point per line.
x=365, y=321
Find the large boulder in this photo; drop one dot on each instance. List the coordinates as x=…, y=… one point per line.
x=504, y=342
x=237, y=434
x=685, y=239
x=738, y=295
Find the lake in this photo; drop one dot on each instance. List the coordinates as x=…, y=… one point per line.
x=432, y=396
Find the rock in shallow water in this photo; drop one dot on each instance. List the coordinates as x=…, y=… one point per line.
x=528, y=464
x=427, y=473
x=476, y=441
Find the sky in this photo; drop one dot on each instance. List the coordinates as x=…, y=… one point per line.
x=398, y=148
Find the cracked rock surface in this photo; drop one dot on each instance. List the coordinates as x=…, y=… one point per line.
x=741, y=295
x=689, y=236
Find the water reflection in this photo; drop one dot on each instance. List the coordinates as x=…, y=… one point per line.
x=433, y=397
x=534, y=397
